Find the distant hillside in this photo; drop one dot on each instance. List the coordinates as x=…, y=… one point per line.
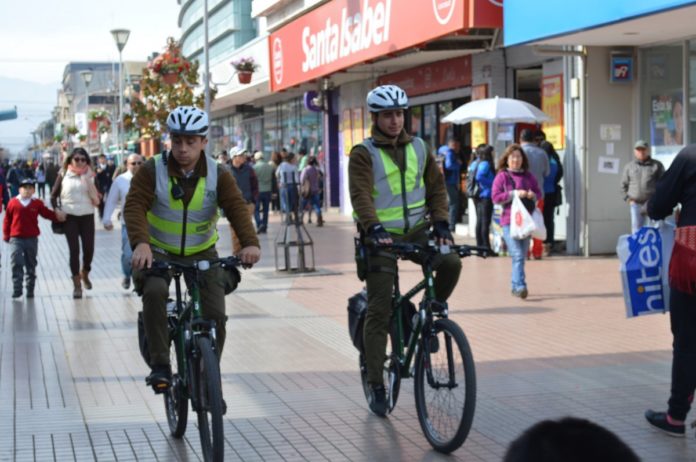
x=34, y=102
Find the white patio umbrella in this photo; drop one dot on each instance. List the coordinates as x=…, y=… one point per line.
x=501, y=110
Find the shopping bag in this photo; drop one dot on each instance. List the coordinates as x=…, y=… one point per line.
x=539, y=226
x=644, y=269
x=521, y=222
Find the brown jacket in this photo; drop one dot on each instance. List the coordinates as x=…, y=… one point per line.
x=142, y=194
x=361, y=180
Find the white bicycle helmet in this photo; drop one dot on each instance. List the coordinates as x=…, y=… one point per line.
x=386, y=98
x=188, y=120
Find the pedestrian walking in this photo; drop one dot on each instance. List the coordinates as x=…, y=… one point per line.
x=15, y=175
x=452, y=167
x=248, y=184
x=638, y=182
x=51, y=174
x=41, y=181
x=678, y=186
x=553, y=195
x=21, y=230
x=75, y=193
x=538, y=162
x=117, y=195
x=482, y=171
x=264, y=174
x=276, y=160
x=515, y=178
x=104, y=178
x=288, y=181
x=309, y=179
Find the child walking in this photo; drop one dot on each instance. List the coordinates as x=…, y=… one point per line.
x=21, y=230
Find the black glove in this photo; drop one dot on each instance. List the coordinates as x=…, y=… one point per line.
x=441, y=231
x=378, y=233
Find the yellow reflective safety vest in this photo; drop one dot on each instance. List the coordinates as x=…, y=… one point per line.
x=399, y=196
x=184, y=229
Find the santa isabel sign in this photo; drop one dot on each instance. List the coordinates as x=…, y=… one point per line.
x=355, y=33
x=342, y=33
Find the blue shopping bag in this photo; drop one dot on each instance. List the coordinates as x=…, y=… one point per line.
x=644, y=258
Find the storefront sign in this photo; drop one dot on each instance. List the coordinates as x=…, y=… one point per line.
x=342, y=33
x=552, y=105
x=479, y=129
x=621, y=69
x=433, y=77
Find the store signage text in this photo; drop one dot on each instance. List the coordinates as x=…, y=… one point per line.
x=354, y=33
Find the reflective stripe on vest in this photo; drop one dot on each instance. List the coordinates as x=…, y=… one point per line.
x=391, y=188
x=184, y=230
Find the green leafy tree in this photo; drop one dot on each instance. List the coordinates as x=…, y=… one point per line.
x=157, y=98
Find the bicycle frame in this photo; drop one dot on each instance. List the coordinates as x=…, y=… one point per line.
x=406, y=353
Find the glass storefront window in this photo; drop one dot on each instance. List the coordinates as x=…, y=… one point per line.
x=445, y=131
x=662, y=100
x=416, y=121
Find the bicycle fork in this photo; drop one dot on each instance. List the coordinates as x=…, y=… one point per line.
x=431, y=344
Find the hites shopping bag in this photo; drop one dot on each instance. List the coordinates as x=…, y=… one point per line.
x=644, y=258
x=521, y=222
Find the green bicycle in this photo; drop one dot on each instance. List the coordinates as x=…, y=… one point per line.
x=194, y=357
x=429, y=347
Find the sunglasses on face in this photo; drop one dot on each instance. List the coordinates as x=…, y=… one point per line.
x=79, y=159
x=135, y=163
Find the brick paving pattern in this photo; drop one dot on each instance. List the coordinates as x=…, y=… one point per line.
x=72, y=379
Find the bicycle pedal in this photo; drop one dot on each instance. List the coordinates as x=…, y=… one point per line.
x=160, y=388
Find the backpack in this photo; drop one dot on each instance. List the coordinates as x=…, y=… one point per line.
x=473, y=188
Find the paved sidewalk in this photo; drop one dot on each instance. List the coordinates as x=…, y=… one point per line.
x=72, y=380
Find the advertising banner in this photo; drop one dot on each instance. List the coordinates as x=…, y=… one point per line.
x=342, y=33
x=667, y=119
x=479, y=129
x=433, y=77
x=552, y=105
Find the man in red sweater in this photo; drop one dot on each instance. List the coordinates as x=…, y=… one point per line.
x=21, y=230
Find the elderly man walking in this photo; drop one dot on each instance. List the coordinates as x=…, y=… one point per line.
x=638, y=182
x=117, y=195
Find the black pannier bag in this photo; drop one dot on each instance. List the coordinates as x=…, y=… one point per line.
x=357, y=310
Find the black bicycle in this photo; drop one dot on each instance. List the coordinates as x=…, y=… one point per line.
x=194, y=356
x=443, y=370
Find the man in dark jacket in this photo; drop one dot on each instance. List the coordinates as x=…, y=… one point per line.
x=248, y=184
x=638, y=182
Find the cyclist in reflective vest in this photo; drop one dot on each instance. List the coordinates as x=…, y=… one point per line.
x=172, y=210
x=397, y=192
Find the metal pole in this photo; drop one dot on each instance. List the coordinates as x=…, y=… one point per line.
x=206, y=65
x=87, y=114
x=120, y=100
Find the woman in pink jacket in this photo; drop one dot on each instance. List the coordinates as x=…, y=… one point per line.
x=514, y=178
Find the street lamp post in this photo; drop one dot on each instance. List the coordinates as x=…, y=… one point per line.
x=121, y=38
x=206, y=83
x=87, y=79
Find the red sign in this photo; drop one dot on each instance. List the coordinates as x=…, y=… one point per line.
x=342, y=33
x=429, y=78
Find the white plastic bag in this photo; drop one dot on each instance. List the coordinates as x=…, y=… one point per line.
x=539, y=226
x=521, y=222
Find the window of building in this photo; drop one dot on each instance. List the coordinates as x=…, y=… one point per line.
x=662, y=100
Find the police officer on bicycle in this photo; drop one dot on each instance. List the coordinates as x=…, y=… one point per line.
x=171, y=214
x=397, y=192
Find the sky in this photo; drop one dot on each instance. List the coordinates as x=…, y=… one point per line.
x=40, y=37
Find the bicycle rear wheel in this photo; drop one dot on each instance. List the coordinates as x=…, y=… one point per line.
x=445, y=386
x=209, y=397
x=175, y=399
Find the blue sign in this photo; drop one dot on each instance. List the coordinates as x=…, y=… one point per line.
x=527, y=21
x=621, y=69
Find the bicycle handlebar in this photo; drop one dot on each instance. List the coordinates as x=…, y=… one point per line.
x=201, y=265
x=407, y=249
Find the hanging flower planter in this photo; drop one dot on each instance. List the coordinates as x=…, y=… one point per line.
x=244, y=77
x=244, y=68
x=170, y=78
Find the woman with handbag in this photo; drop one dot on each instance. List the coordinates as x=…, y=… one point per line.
x=76, y=194
x=515, y=179
x=552, y=193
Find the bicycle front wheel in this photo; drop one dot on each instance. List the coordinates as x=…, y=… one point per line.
x=175, y=399
x=445, y=386
x=209, y=397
